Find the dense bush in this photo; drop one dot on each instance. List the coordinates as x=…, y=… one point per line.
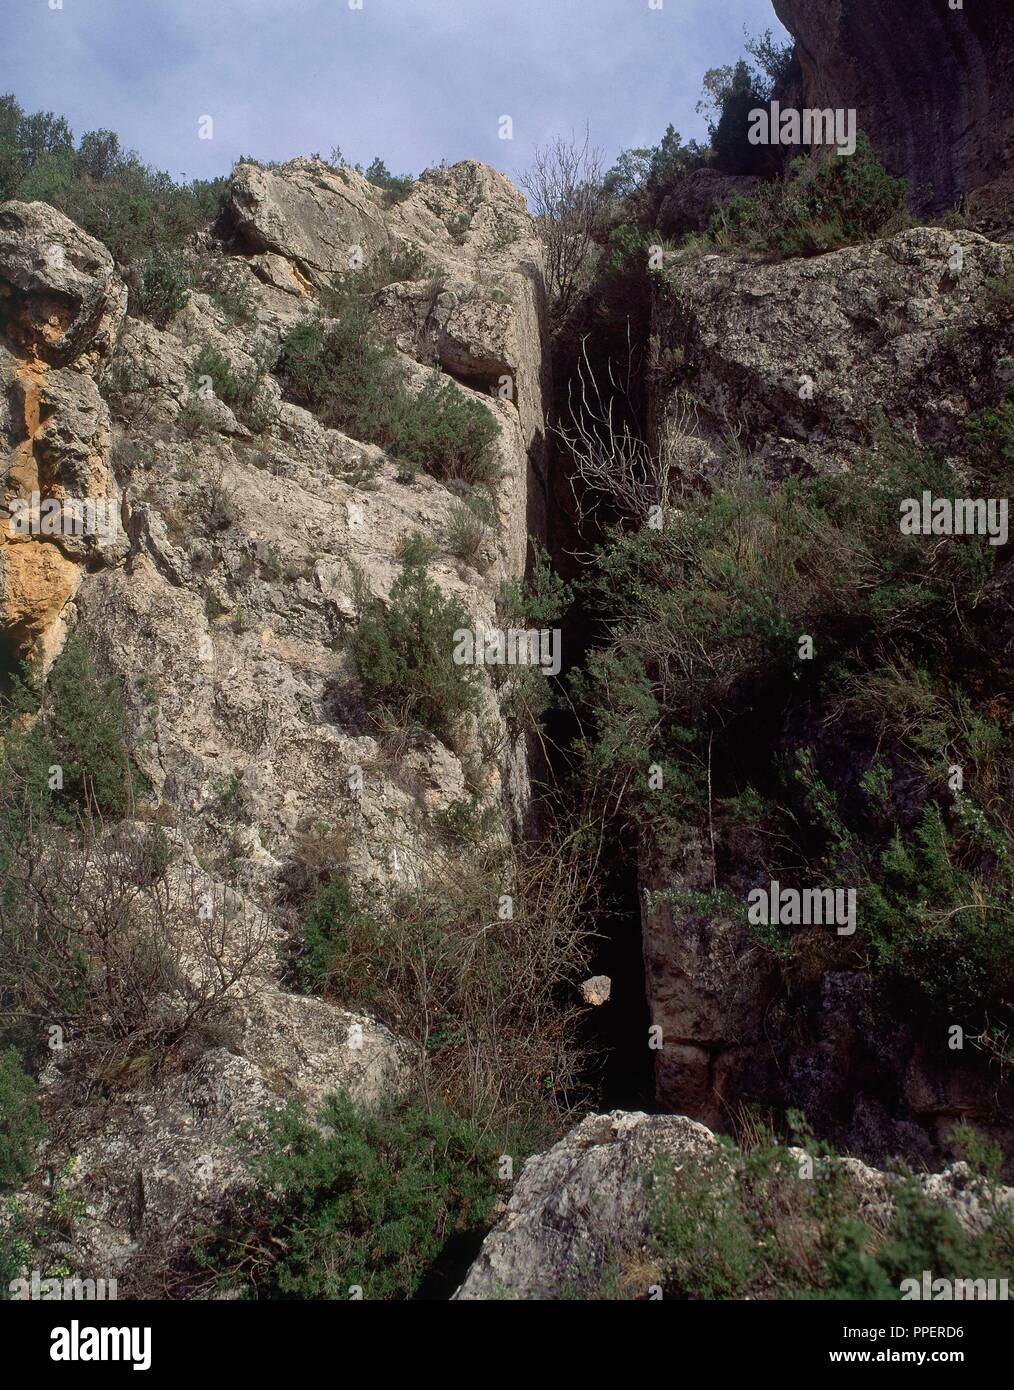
x=341, y=371
x=161, y=288
x=240, y=389
x=641, y=178
x=21, y=1124
x=991, y=433
x=395, y=187
x=352, y=1204
x=403, y=654
x=64, y=740
x=939, y=912
x=701, y=678
x=846, y=200
x=447, y=434
x=735, y=1225
x=108, y=191
x=331, y=920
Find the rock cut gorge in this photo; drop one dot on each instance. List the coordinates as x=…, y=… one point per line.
x=350, y=426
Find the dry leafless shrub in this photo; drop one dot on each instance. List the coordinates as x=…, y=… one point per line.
x=612, y=458
x=317, y=855
x=103, y=936
x=477, y=966
x=564, y=187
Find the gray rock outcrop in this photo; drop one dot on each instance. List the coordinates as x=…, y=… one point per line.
x=580, y=1222
x=248, y=548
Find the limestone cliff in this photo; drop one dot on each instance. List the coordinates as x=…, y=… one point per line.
x=795, y=361
x=246, y=551
x=932, y=83
x=62, y=305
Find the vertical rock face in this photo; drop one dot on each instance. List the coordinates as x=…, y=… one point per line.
x=249, y=547
x=933, y=85
x=888, y=326
x=61, y=304
x=479, y=317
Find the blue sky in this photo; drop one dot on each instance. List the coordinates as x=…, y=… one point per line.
x=415, y=81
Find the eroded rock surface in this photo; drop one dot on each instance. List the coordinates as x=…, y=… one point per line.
x=248, y=548
x=809, y=365
x=61, y=306
x=932, y=84
x=581, y=1220
x=804, y=353
x=580, y=1205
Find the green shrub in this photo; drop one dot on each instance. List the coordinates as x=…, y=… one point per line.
x=845, y=201
x=643, y=177
x=230, y=292
x=243, y=390
x=21, y=1125
x=701, y=679
x=357, y=1202
x=108, y=191
x=338, y=369
x=540, y=599
x=941, y=927
x=341, y=372
x=396, y=188
x=162, y=287
x=448, y=434
x=734, y=1225
x=334, y=928
x=80, y=730
x=16, y=1243
x=403, y=654
x=991, y=434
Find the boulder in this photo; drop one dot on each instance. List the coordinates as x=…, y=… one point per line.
x=60, y=295
x=805, y=353
x=580, y=1221
x=580, y=1205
